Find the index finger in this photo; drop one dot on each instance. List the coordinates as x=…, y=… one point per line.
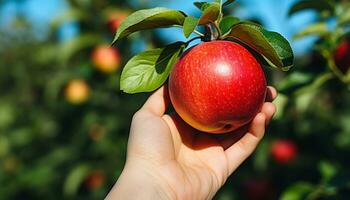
x=271, y=94
x=158, y=102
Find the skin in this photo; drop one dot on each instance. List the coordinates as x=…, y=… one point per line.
x=167, y=159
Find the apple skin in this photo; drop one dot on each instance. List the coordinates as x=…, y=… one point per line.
x=106, y=59
x=342, y=56
x=284, y=151
x=217, y=87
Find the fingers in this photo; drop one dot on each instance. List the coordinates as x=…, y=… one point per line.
x=243, y=148
x=158, y=102
x=271, y=94
x=269, y=109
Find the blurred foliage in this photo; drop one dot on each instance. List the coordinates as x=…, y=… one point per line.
x=51, y=148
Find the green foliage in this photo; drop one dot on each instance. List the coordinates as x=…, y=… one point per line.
x=319, y=29
x=190, y=25
x=149, y=70
x=149, y=19
x=271, y=45
x=210, y=14
x=320, y=6
x=297, y=191
x=329, y=35
x=49, y=147
x=227, y=23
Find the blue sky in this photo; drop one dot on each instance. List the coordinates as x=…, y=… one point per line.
x=271, y=12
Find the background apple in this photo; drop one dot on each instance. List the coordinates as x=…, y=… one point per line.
x=115, y=19
x=77, y=91
x=342, y=56
x=106, y=59
x=217, y=86
x=95, y=180
x=283, y=151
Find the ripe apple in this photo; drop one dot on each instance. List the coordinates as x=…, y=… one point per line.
x=115, y=19
x=95, y=180
x=106, y=59
x=77, y=91
x=283, y=151
x=217, y=86
x=342, y=56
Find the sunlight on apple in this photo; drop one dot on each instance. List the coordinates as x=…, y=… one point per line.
x=223, y=69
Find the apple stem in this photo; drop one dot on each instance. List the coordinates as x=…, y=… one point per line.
x=217, y=30
x=209, y=33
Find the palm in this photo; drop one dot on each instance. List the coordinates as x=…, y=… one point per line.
x=194, y=165
x=184, y=158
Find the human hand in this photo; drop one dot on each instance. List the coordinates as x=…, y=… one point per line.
x=168, y=159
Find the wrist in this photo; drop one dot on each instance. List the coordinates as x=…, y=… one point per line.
x=139, y=181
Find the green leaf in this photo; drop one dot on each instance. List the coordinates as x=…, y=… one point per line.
x=271, y=45
x=297, y=191
x=190, y=25
x=281, y=102
x=319, y=29
x=201, y=5
x=316, y=84
x=320, y=6
x=210, y=13
x=260, y=158
x=327, y=169
x=294, y=81
x=227, y=23
x=149, y=70
x=74, y=179
x=69, y=48
x=228, y=2
x=344, y=19
x=149, y=19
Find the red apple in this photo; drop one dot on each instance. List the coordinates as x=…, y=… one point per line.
x=106, y=59
x=115, y=19
x=283, y=151
x=77, y=91
x=95, y=180
x=217, y=86
x=342, y=56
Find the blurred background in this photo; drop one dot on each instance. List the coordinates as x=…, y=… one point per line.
x=64, y=123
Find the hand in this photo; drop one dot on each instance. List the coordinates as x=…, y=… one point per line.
x=168, y=159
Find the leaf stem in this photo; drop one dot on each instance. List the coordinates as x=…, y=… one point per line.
x=332, y=66
x=220, y=7
x=198, y=33
x=195, y=31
